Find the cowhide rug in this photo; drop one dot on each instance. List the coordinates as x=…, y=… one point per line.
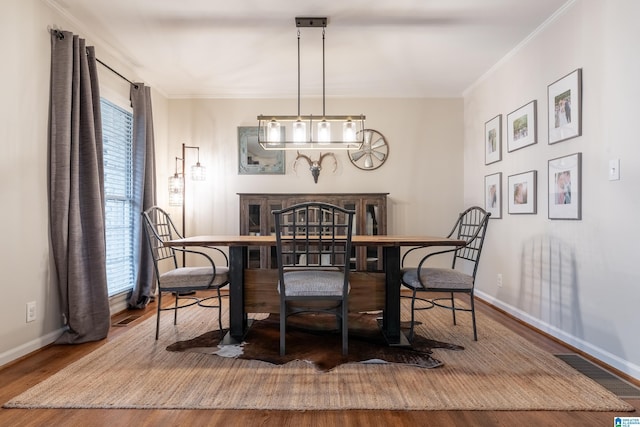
x=315, y=338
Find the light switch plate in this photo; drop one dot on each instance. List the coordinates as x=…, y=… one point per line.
x=614, y=169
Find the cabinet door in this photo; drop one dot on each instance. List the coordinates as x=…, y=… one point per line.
x=353, y=204
x=252, y=224
x=269, y=253
x=374, y=219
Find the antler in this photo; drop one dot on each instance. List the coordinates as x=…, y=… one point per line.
x=315, y=166
x=335, y=162
x=302, y=156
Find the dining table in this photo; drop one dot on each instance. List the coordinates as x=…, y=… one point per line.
x=255, y=290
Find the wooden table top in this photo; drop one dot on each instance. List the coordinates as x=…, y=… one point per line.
x=357, y=240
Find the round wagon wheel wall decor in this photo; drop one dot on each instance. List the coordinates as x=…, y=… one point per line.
x=373, y=153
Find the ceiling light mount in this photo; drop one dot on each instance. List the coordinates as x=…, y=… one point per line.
x=311, y=22
x=280, y=132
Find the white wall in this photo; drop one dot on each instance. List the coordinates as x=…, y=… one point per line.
x=425, y=138
x=24, y=85
x=423, y=174
x=589, y=296
x=24, y=258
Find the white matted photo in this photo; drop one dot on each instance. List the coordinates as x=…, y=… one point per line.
x=522, y=127
x=493, y=140
x=493, y=194
x=522, y=192
x=564, y=98
x=565, y=187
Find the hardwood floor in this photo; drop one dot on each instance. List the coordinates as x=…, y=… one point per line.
x=21, y=375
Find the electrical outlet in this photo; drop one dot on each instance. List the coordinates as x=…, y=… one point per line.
x=499, y=281
x=31, y=311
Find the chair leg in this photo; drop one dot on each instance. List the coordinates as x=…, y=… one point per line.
x=219, y=312
x=473, y=318
x=453, y=309
x=283, y=322
x=345, y=328
x=175, y=311
x=159, y=304
x=413, y=317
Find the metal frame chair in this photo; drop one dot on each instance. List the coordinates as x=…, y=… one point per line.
x=313, y=255
x=181, y=281
x=470, y=226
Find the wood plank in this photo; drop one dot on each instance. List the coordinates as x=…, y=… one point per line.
x=261, y=295
x=357, y=240
x=20, y=375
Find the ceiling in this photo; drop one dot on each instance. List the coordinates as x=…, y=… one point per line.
x=248, y=48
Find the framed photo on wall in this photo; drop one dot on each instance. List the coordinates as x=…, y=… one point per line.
x=522, y=127
x=493, y=140
x=493, y=194
x=522, y=193
x=564, y=98
x=255, y=160
x=565, y=187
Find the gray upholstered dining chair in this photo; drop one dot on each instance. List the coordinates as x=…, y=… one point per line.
x=471, y=226
x=313, y=254
x=183, y=281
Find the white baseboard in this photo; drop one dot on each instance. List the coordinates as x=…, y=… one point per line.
x=29, y=347
x=117, y=304
x=604, y=356
x=596, y=352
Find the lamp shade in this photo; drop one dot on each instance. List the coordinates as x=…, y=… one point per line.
x=299, y=132
x=176, y=190
x=198, y=172
x=324, y=132
x=273, y=131
x=349, y=131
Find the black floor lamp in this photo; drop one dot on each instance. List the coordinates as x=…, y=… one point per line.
x=177, y=183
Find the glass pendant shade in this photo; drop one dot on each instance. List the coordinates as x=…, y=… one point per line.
x=198, y=172
x=349, y=130
x=299, y=132
x=273, y=131
x=176, y=190
x=324, y=132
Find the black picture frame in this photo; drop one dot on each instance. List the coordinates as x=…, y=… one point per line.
x=493, y=140
x=522, y=190
x=564, y=101
x=565, y=187
x=522, y=127
x=493, y=195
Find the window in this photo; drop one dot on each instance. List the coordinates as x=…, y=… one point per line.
x=117, y=132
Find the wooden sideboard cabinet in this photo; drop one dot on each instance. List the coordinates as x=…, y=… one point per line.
x=370, y=219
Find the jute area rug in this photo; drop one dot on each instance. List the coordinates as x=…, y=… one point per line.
x=501, y=371
x=316, y=338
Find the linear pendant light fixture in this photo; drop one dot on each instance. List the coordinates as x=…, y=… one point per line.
x=305, y=132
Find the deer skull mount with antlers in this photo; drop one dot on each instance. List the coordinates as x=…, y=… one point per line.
x=315, y=166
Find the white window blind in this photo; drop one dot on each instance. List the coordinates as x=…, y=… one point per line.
x=117, y=133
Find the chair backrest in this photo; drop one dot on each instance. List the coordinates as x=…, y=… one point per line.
x=313, y=235
x=471, y=227
x=159, y=229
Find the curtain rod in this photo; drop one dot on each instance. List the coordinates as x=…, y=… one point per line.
x=60, y=36
x=116, y=73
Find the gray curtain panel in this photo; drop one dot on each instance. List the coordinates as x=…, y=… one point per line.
x=76, y=199
x=144, y=178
